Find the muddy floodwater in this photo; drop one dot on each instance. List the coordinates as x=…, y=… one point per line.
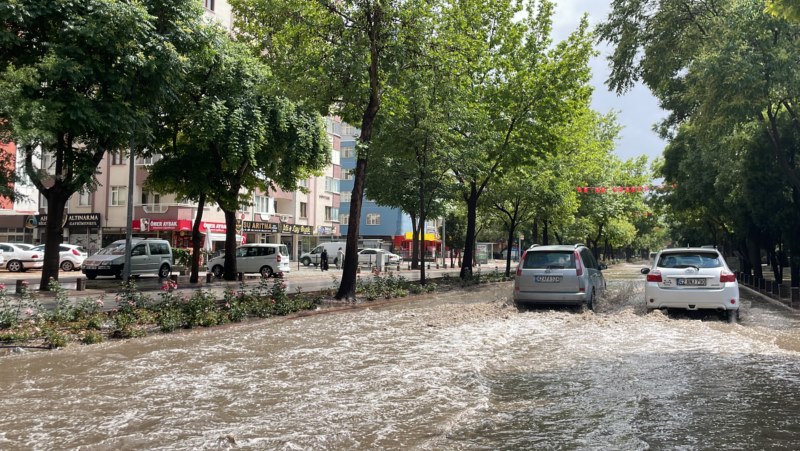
x=459, y=371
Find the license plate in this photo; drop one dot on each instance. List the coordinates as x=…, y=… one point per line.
x=692, y=282
x=547, y=279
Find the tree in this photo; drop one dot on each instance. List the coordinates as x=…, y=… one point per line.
x=230, y=134
x=720, y=66
x=78, y=79
x=513, y=90
x=335, y=53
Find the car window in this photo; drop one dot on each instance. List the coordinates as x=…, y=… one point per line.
x=113, y=249
x=317, y=250
x=690, y=259
x=270, y=250
x=241, y=251
x=284, y=250
x=549, y=259
x=139, y=250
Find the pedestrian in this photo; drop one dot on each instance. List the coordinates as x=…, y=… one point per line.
x=339, y=259
x=323, y=260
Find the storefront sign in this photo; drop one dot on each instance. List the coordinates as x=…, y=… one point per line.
x=176, y=225
x=75, y=220
x=272, y=227
x=297, y=229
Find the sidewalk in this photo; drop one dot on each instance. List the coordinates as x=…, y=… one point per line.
x=308, y=279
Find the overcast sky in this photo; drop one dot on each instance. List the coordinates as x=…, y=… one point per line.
x=637, y=110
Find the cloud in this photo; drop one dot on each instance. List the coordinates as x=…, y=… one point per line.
x=637, y=110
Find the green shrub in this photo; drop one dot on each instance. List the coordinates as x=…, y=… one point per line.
x=92, y=337
x=54, y=338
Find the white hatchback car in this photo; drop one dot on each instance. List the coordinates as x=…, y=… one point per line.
x=692, y=279
x=370, y=257
x=71, y=256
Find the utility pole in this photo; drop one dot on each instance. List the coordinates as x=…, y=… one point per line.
x=126, y=269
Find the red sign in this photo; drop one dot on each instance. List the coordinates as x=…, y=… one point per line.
x=176, y=225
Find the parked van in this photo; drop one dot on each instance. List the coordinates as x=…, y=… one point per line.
x=148, y=256
x=312, y=257
x=264, y=258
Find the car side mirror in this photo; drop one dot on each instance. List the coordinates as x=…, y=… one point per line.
x=645, y=270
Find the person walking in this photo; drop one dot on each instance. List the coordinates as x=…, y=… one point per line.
x=323, y=260
x=339, y=259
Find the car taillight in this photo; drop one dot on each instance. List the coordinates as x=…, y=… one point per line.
x=279, y=258
x=654, y=276
x=75, y=252
x=521, y=261
x=726, y=276
x=35, y=256
x=578, y=266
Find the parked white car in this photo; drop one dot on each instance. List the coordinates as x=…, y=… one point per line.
x=21, y=257
x=370, y=257
x=267, y=259
x=692, y=279
x=71, y=256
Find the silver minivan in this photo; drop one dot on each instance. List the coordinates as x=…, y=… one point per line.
x=561, y=275
x=264, y=258
x=148, y=256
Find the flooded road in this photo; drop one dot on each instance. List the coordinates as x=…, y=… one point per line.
x=460, y=371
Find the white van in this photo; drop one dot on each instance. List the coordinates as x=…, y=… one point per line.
x=312, y=257
x=265, y=258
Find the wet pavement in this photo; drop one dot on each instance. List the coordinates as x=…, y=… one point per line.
x=460, y=371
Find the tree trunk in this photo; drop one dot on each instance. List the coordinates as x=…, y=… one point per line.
x=56, y=202
x=347, y=288
x=414, y=242
x=754, y=254
x=230, y=246
x=469, y=244
x=193, y=278
x=511, y=229
x=545, y=233
x=422, y=279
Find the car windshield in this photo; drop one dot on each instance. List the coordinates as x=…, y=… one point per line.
x=690, y=260
x=24, y=247
x=39, y=248
x=114, y=249
x=549, y=259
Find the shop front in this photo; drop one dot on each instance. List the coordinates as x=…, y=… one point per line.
x=80, y=229
x=179, y=232
x=292, y=235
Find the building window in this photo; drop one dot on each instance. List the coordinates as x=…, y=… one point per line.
x=303, y=183
x=303, y=210
x=149, y=160
x=208, y=4
x=331, y=184
x=262, y=204
x=348, y=152
x=83, y=199
x=149, y=198
x=346, y=196
x=328, y=213
x=347, y=174
x=118, y=158
x=373, y=219
x=344, y=218
x=119, y=195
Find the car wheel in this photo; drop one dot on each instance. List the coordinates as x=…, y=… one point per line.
x=91, y=275
x=118, y=274
x=266, y=272
x=590, y=302
x=14, y=266
x=67, y=265
x=733, y=315
x=217, y=271
x=164, y=271
x=306, y=261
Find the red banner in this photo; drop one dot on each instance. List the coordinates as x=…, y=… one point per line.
x=176, y=225
x=622, y=189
